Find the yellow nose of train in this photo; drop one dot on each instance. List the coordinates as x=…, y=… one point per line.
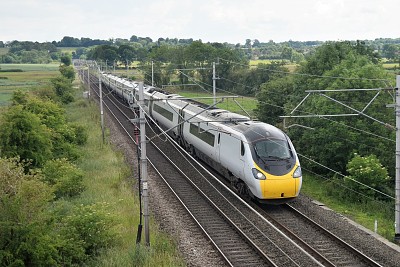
x=280, y=186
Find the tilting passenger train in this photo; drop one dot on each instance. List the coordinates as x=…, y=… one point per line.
x=257, y=158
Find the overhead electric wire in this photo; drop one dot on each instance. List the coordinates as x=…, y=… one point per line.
x=334, y=170
x=347, y=177
x=309, y=159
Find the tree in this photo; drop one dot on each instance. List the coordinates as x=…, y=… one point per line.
x=391, y=51
x=66, y=60
x=287, y=53
x=63, y=89
x=23, y=134
x=272, y=98
x=126, y=53
x=24, y=199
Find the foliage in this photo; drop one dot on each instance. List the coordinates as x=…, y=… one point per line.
x=272, y=97
x=23, y=134
x=37, y=130
x=332, y=142
x=90, y=225
x=67, y=72
x=64, y=177
x=23, y=199
x=66, y=60
x=367, y=171
x=63, y=89
x=29, y=52
x=35, y=233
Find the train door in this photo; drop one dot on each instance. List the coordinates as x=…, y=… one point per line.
x=242, y=160
x=218, y=148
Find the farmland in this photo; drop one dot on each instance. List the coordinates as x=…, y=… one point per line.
x=33, y=76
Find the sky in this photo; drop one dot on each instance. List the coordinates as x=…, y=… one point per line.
x=231, y=21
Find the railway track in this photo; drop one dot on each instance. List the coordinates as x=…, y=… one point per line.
x=241, y=235
x=321, y=243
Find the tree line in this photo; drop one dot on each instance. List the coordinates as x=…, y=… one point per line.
x=292, y=51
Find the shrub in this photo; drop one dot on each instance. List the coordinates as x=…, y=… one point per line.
x=23, y=134
x=68, y=72
x=90, y=225
x=63, y=88
x=366, y=171
x=23, y=200
x=81, y=134
x=64, y=177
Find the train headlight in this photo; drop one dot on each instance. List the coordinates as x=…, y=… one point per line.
x=258, y=175
x=297, y=173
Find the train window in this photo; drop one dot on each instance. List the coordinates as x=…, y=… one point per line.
x=241, y=148
x=219, y=138
x=163, y=112
x=202, y=134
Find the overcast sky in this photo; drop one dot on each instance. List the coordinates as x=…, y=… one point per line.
x=231, y=21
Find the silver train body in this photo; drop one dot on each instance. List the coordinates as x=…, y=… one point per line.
x=257, y=158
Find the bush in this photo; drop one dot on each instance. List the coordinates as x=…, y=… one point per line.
x=23, y=134
x=90, y=226
x=68, y=72
x=63, y=88
x=23, y=200
x=366, y=171
x=64, y=177
x=81, y=134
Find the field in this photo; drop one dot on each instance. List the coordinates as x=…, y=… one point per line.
x=289, y=65
x=33, y=76
x=67, y=50
x=248, y=103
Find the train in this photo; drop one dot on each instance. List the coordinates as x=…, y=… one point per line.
x=257, y=159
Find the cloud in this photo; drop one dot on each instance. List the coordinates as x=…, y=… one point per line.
x=210, y=20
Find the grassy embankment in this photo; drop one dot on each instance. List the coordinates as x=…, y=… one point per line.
x=107, y=177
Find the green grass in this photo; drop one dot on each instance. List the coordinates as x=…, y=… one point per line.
x=108, y=179
x=31, y=67
x=390, y=65
x=255, y=62
x=67, y=50
x=248, y=103
x=33, y=76
x=291, y=66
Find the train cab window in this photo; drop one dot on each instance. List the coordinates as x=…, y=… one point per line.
x=241, y=148
x=219, y=138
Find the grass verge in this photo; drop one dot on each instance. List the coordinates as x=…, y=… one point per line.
x=108, y=180
x=364, y=213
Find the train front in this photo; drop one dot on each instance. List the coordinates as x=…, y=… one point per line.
x=276, y=171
